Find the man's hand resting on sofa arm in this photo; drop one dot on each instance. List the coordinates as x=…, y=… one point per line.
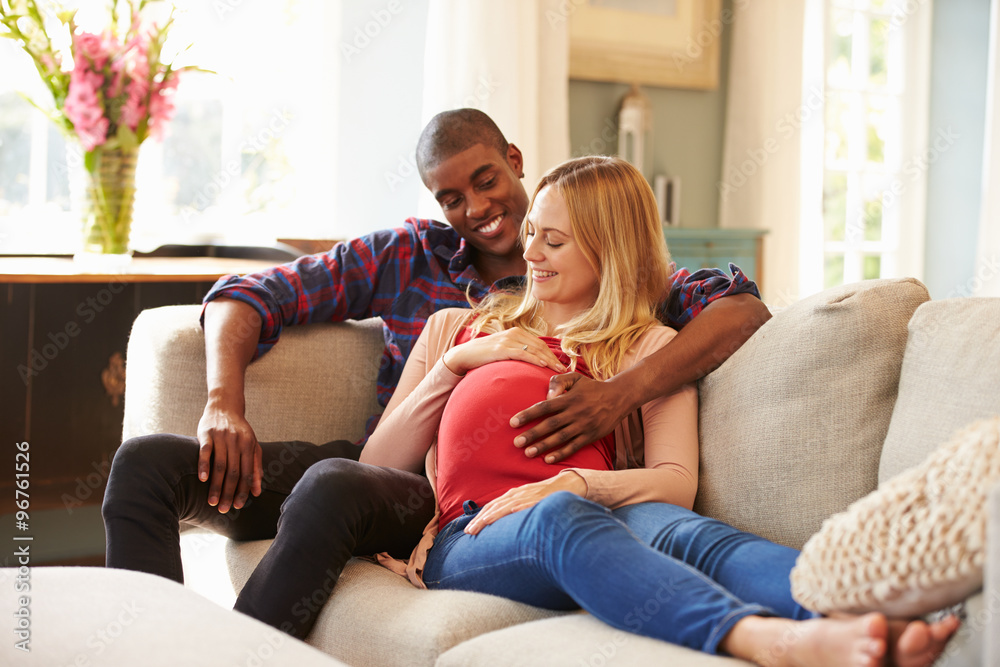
x=579, y=410
x=229, y=458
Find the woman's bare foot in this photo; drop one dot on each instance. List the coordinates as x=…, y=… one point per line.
x=855, y=641
x=859, y=641
x=917, y=644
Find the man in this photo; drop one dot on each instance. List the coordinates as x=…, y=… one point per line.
x=340, y=508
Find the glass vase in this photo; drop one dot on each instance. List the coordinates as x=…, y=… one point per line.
x=108, y=206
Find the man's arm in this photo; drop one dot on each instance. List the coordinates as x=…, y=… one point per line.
x=232, y=329
x=243, y=318
x=579, y=410
x=353, y=280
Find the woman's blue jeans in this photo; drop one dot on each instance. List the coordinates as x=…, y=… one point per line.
x=654, y=569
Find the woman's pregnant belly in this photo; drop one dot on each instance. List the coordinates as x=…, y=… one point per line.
x=476, y=456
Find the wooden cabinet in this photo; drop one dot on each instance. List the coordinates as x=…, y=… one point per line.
x=63, y=336
x=714, y=248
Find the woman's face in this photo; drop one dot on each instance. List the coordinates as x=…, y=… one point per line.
x=561, y=276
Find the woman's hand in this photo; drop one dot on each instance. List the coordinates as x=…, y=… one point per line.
x=525, y=496
x=513, y=343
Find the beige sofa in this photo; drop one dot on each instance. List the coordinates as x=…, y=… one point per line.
x=91, y=616
x=835, y=393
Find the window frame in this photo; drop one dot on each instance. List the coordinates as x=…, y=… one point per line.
x=902, y=180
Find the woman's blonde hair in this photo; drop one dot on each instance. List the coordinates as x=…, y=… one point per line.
x=615, y=222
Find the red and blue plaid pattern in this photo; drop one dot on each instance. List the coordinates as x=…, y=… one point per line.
x=403, y=275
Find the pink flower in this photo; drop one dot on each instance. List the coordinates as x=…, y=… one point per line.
x=134, y=109
x=161, y=104
x=93, y=136
x=84, y=109
x=137, y=54
x=118, y=79
x=134, y=67
x=92, y=47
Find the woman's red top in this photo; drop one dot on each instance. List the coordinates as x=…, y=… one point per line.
x=476, y=456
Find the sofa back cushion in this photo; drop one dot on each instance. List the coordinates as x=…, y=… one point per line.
x=317, y=384
x=950, y=378
x=792, y=425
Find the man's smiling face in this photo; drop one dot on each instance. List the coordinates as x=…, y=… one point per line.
x=482, y=197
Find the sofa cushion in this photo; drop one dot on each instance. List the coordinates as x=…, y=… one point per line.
x=950, y=377
x=117, y=618
x=792, y=424
x=917, y=544
x=574, y=640
x=579, y=640
x=376, y=617
x=317, y=384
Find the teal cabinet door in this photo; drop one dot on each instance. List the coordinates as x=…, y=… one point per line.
x=695, y=249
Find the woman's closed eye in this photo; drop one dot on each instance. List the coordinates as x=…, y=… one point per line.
x=530, y=234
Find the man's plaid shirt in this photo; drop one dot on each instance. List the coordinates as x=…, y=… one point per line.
x=403, y=275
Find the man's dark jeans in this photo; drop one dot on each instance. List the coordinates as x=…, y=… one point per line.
x=318, y=503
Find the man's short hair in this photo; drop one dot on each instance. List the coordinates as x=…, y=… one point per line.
x=451, y=132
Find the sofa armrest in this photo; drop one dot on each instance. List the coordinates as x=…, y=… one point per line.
x=317, y=384
x=991, y=582
x=977, y=642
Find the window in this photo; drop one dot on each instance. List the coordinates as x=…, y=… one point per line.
x=875, y=72
x=257, y=152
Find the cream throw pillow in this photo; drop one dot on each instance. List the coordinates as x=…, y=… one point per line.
x=915, y=545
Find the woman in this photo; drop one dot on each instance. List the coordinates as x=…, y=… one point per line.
x=609, y=529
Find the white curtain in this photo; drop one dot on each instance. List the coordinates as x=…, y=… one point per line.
x=767, y=109
x=509, y=59
x=986, y=276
